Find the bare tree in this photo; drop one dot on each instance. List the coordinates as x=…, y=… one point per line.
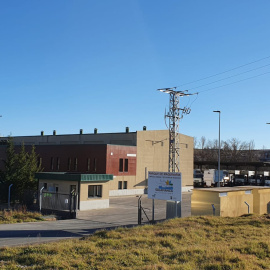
x=232, y=150
x=202, y=142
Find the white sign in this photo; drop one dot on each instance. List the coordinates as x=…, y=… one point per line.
x=165, y=186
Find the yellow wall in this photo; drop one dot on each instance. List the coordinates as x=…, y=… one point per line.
x=113, y=185
x=153, y=155
x=234, y=204
x=261, y=199
x=201, y=203
x=84, y=190
x=186, y=159
x=231, y=205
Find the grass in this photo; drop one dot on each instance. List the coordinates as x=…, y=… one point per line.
x=18, y=216
x=210, y=243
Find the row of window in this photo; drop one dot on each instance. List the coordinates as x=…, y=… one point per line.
x=123, y=164
x=73, y=166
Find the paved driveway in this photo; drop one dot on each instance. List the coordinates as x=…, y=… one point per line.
x=123, y=211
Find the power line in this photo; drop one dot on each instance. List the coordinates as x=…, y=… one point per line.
x=225, y=71
x=234, y=82
x=230, y=76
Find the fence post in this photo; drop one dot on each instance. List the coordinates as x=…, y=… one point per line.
x=153, y=211
x=214, y=209
x=139, y=211
x=9, y=196
x=40, y=198
x=247, y=206
x=70, y=204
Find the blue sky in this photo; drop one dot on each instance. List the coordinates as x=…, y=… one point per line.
x=71, y=65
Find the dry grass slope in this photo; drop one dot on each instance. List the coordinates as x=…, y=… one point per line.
x=18, y=216
x=187, y=243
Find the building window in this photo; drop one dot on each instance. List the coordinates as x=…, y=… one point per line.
x=125, y=185
x=95, y=191
x=69, y=164
x=119, y=184
x=120, y=165
x=75, y=164
x=88, y=165
x=58, y=164
x=126, y=165
x=95, y=164
x=52, y=161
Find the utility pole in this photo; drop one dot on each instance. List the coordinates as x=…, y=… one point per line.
x=174, y=116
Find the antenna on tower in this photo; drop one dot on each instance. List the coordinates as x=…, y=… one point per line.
x=174, y=114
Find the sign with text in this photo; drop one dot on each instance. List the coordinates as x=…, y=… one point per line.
x=165, y=186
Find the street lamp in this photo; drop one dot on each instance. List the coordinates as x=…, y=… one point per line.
x=218, y=184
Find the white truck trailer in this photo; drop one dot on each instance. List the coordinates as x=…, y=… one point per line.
x=210, y=177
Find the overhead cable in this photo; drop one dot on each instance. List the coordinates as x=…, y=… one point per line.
x=226, y=71
x=234, y=82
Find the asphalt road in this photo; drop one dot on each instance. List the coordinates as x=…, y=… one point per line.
x=123, y=211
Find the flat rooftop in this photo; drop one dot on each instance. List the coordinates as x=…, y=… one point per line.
x=230, y=189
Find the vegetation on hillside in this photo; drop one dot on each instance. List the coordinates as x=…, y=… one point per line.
x=186, y=243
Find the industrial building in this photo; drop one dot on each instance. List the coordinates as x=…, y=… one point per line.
x=101, y=165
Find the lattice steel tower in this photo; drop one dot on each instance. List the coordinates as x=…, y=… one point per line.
x=174, y=116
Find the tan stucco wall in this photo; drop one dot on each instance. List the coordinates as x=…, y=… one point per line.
x=186, y=159
x=84, y=191
x=153, y=155
x=113, y=185
x=201, y=203
x=261, y=198
x=232, y=205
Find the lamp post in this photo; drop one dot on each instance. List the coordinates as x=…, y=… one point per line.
x=218, y=184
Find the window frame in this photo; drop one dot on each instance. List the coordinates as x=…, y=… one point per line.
x=120, y=185
x=95, y=191
x=121, y=164
x=126, y=165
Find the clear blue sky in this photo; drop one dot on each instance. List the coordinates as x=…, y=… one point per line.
x=67, y=65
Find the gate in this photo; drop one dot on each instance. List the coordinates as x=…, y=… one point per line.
x=59, y=202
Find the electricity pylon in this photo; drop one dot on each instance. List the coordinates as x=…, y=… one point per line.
x=174, y=116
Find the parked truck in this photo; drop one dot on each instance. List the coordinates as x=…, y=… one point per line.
x=198, y=178
x=266, y=178
x=255, y=179
x=210, y=177
x=240, y=178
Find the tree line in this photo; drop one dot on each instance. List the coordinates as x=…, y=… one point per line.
x=19, y=170
x=231, y=150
